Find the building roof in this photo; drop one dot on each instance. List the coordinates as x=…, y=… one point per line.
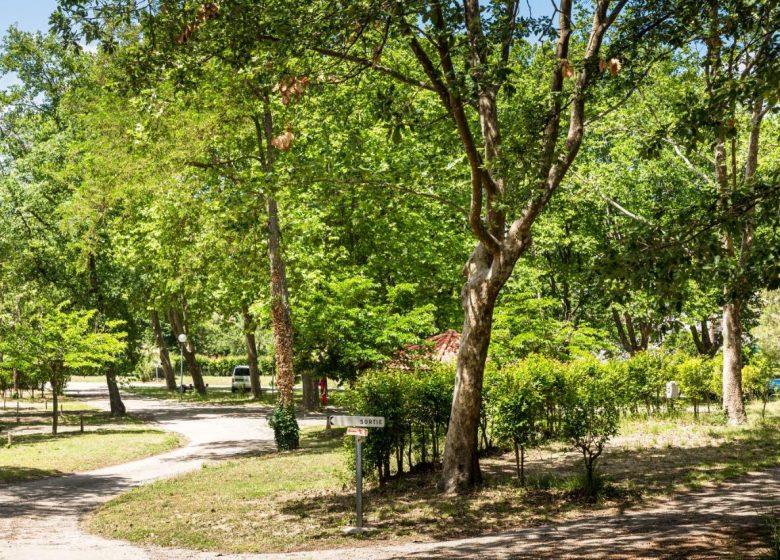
x=442, y=347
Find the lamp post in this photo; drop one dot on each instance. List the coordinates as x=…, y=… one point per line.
x=182, y=340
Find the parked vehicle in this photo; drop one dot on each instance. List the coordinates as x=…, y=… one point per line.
x=240, y=379
x=774, y=386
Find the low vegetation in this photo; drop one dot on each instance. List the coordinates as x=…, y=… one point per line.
x=244, y=506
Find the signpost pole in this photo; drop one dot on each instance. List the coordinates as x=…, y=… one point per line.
x=359, y=477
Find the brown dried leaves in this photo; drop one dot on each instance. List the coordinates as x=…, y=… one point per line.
x=207, y=11
x=291, y=89
x=284, y=141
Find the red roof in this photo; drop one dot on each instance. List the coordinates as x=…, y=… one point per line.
x=442, y=347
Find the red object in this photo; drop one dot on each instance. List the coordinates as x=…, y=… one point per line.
x=324, y=391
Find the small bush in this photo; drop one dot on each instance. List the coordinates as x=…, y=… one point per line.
x=695, y=377
x=591, y=416
x=285, y=426
x=517, y=412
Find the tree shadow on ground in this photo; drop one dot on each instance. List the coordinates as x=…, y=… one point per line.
x=12, y=474
x=724, y=517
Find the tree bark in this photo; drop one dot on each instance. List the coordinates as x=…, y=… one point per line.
x=165, y=359
x=461, y=461
x=733, y=402
x=114, y=398
x=17, y=379
x=251, y=351
x=281, y=320
x=54, y=400
x=190, y=356
x=311, y=400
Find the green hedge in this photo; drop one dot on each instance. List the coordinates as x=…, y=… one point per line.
x=222, y=366
x=416, y=405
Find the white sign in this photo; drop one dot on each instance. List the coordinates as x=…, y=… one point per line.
x=672, y=390
x=360, y=421
x=361, y=432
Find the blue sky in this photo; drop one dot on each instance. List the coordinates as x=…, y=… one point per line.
x=29, y=15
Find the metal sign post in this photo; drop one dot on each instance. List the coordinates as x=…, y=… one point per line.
x=355, y=428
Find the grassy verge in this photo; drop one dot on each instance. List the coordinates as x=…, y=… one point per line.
x=246, y=506
x=217, y=395
x=40, y=455
x=214, y=395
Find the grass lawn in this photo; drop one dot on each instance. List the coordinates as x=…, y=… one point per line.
x=40, y=455
x=215, y=395
x=246, y=506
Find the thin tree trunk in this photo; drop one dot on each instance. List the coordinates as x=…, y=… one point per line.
x=165, y=359
x=189, y=351
x=251, y=351
x=311, y=399
x=54, y=400
x=522, y=466
x=114, y=398
x=733, y=401
x=17, y=379
x=281, y=320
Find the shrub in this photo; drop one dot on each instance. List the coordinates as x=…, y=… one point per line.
x=756, y=378
x=645, y=377
x=517, y=412
x=694, y=376
x=382, y=393
x=591, y=416
x=416, y=407
x=429, y=404
x=285, y=428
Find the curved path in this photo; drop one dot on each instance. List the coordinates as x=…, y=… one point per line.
x=39, y=519
x=723, y=521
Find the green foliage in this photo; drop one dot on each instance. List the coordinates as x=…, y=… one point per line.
x=695, y=378
x=640, y=380
x=416, y=406
x=56, y=342
x=285, y=427
x=591, y=415
x=517, y=411
x=222, y=366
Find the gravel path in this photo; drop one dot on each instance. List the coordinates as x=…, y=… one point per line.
x=717, y=522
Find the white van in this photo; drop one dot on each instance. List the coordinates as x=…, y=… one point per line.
x=240, y=379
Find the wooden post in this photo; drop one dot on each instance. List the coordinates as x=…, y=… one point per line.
x=17, y=412
x=81, y=421
x=45, y=404
x=10, y=439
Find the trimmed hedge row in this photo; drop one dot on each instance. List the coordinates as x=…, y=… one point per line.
x=528, y=402
x=222, y=366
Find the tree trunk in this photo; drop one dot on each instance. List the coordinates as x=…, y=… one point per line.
x=114, y=398
x=461, y=461
x=733, y=401
x=17, y=379
x=281, y=320
x=311, y=399
x=522, y=466
x=251, y=351
x=165, y=359
x=54, y=400
x=190, y=356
